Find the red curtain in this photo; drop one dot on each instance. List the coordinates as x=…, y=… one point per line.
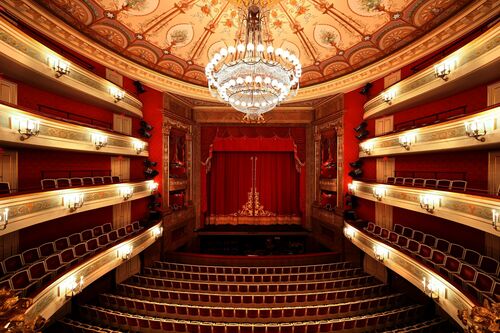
x=276, y=180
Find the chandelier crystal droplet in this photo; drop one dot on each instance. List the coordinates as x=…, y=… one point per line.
x=253, y=77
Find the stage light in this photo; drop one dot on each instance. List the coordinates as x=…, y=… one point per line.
x=148, y=163
x=139, y=88
x=361, y=126
x=357, y=173
x=363, y=134
x=366, y=89
x=145, y=130
x=356, y=164
x=150, y=173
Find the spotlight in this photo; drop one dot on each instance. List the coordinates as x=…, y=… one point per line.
x=139, y=88
x=362, y=134
x=356, y=164
x=148, y=163
x=150, y=173
x=146, y=126
x=356, y=173
x=366, y=89
x=350, y=215
x=361, y=126
x=145, y=129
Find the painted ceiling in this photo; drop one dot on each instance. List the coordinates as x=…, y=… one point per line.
x=331, y=37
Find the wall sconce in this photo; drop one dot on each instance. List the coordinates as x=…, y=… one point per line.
x=157, y=232
x=478, y=128
x=117, y=93
x=367, y=147
x=349, y=232
x=126, y=192
x=61, y=67
x=388, y=96
x=351, y=188
x=406, y=140
x=443, y=69
x=433, y=287
x=139, y=146
x=495, y=217
x=99, y=140
x=379, y=192
x=125, y=251
x=153, y=186
x=4, y=219
x=25, y=126
x=73, y=201
x=430, y=202
x=71, y=286
x=381, y=253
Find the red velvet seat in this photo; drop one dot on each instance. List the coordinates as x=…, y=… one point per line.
x=48, y=184
x=61, y=243
x=107, y=227
x=466, y=275
x=12, y=263
x=418, y=236
x=424, y=252
x=472, y=257
x=68, y=257
x=76, y=182
x=370, y=227
x=107, y=180
x=74, y=239
x=115, y=179
x=46, y=249
x=38, y=273
x=488, y=265
x=482, y=285
x=430, y=240
x=438, y=258
x=98, y=180
x=30, y=256
x=88, y=181
x=97, y=231
x=92, y=245
x=86, y=235
x=393, y=237
x=443, y=245
x=457, y=251
x=21, y=282
x=63, y=183
x=408, y=232
x=402, y=241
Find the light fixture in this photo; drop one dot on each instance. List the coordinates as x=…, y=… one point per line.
x=478, y=128
x=153, y=186
x=71, y=286
x=99, y=140
x=139, y=146
x=126, y=192
x=4, y=219
x=351, y=188
x=388, y=96
x=379, y=192
x=251, y=76
x=406, y=140
x=60, y=66
x=157, y=232
x=433, y=287
x=495, y=216
x=25, y=126
x=367, y=147
x=430, y=202
x=73, y=201
x=381, y=253
x=125, y=251
x=443, y=69
x=349, y=232
x=117, y=93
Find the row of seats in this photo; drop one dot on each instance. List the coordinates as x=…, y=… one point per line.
x=473, y=272
x=27, y=272
x=440, y=184
x=235, y=299
x=49, y=184
x=436, y=325
x=67, y=325
x=248, y=278
x=353, y=281
x=181, y=267
x=138, y=323
x=255, y=314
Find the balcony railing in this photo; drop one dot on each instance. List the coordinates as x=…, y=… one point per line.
x=471, y=65
x=21, y=127
x=449, y=298
x=477, y=130
x=24, y=210
x=474, y=211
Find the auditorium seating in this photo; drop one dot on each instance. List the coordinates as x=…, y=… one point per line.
x=35, y=267
x=474, y=273
x=60, y=183
x=439, y=184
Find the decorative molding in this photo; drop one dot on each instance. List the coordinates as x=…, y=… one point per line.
x=177, y=184
x=41, y=20
x=23, y=56
x=328, y=184
x=476, y=63
x=438, y=137
x=49, y=300
x=450, y=298
x=279, y=115
x=471, y=210
x=55, y=134
x=25, y=210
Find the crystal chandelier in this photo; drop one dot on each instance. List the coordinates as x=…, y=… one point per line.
x=253, y=76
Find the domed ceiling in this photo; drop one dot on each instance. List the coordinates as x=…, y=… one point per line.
x=331, y=38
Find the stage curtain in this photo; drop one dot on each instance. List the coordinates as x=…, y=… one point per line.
x=276, y=179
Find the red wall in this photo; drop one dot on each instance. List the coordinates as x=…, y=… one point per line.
x=140, y=209
x=365, y=209
x=64, y=226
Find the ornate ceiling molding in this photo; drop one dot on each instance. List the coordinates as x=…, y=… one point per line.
x=40, y=19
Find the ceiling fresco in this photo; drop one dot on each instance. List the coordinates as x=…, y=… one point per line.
x=331, y=37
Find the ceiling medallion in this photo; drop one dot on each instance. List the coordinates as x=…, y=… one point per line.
x=251, y=76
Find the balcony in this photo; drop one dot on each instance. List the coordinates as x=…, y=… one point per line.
x=30, y=61
x=25, y=210
x=473, y=64
x=446, y=295
x=480, y=130
x=51, y=299
x=474, y=211
x=22, y=127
